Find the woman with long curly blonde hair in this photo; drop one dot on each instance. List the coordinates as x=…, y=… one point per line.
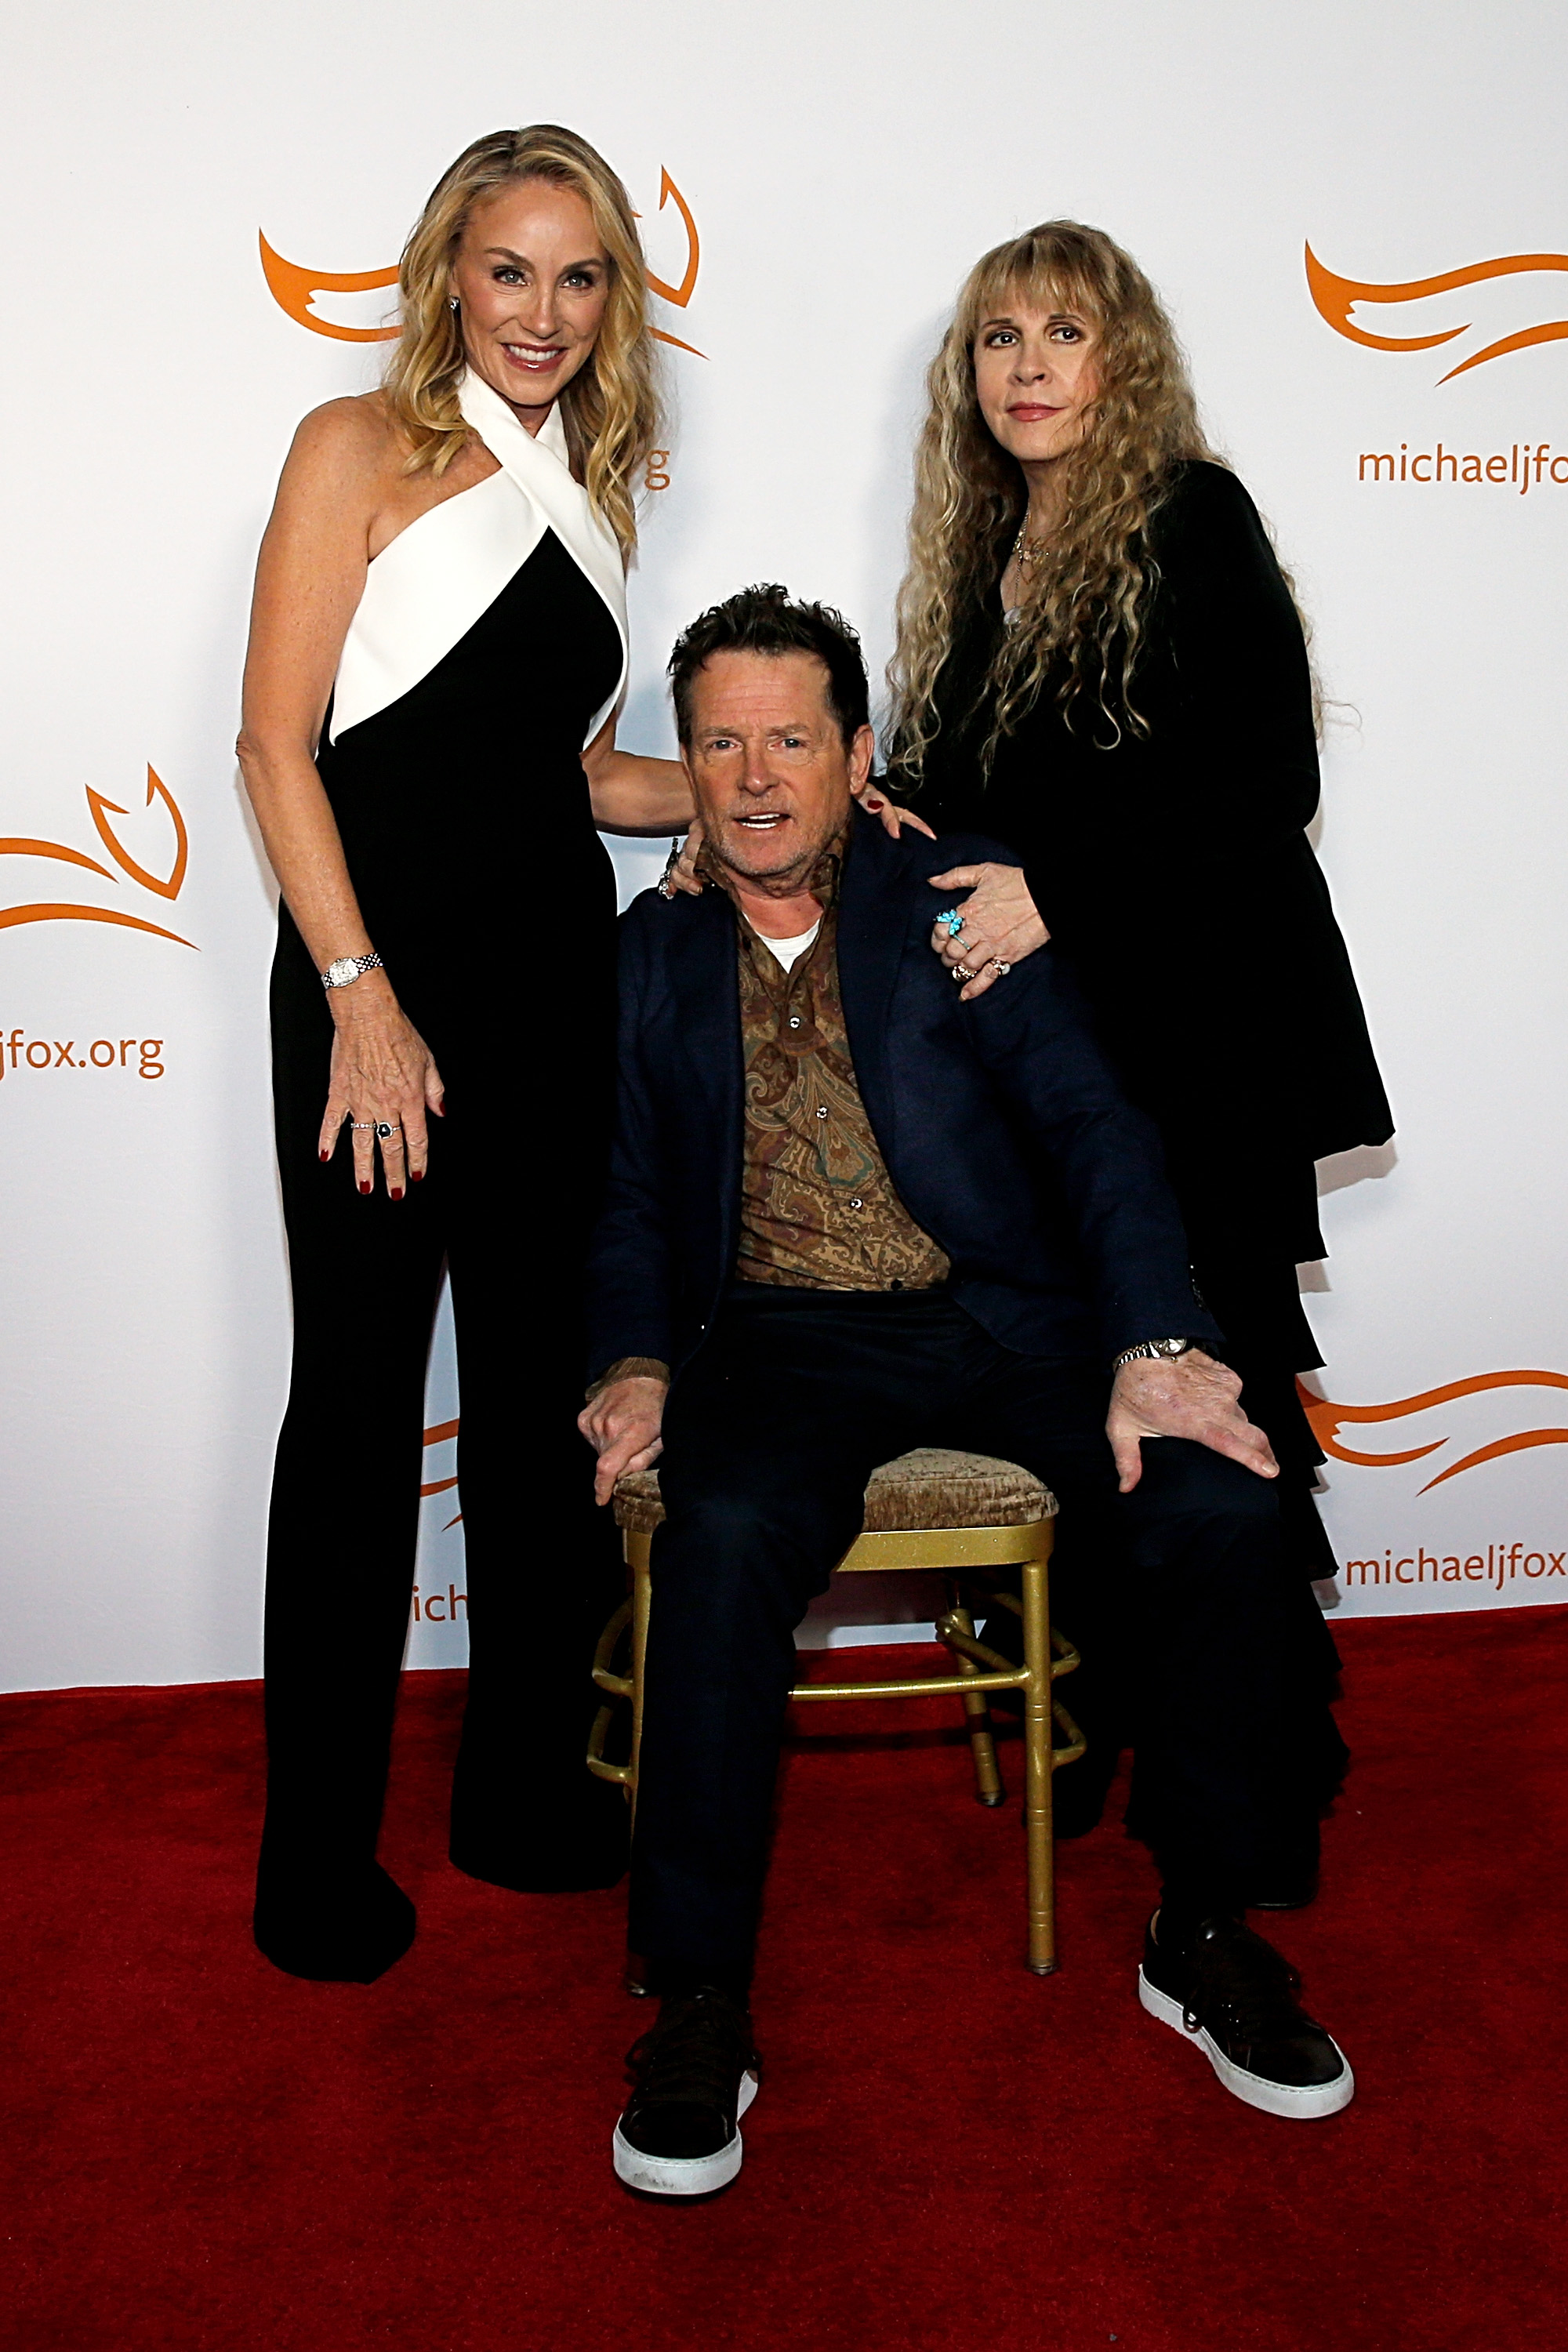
x=1101, y=665
x=438, y=646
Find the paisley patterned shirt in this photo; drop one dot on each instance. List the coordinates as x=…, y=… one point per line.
x=817, y=1206
x=818, y=1211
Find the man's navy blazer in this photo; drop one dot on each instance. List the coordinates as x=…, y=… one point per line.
x=1004, y=1128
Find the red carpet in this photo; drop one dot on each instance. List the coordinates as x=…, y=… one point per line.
x=947, y=2152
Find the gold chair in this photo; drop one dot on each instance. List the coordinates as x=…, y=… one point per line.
x=969, y=1517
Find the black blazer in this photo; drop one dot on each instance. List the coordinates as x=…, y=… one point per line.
x=1186, y=844
x=1006, y=1133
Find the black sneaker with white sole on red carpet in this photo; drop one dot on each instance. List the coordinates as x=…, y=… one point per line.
x=1236, y=1996
x=696, y=2074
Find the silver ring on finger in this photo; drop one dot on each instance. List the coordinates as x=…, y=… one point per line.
x=996, y=965
x=362, y=1126
x=384, y=1128
x=961, y=972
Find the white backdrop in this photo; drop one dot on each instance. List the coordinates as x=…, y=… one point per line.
x=843, y=164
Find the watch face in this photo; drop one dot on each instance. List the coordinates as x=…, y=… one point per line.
x=342, y=970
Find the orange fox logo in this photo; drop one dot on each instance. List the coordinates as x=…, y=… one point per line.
x=1328, y=1419
x=294, y=289
x=101, y=810
x=436, y=1434
x=1336, y=297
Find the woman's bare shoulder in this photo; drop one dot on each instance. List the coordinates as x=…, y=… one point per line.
x=347, y=443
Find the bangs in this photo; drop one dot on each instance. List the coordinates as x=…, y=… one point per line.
x=1027, y=275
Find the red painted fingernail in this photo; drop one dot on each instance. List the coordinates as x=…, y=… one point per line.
x=365, y=1188
x=396, y=1192
x=416, y=1175
x=323, y=1157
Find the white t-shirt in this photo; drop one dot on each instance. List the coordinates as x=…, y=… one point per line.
x=789, y=951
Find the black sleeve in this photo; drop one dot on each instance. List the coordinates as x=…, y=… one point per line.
x=948, y=791
x=1241, y=746
x=1036, y=1038
x=630, y=1291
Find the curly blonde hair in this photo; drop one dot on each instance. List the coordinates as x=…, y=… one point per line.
x=610, y=408
x=1087, y=600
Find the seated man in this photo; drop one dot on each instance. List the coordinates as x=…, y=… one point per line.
x=850, y=1214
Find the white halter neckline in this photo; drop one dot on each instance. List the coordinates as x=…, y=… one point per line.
x=425, y=590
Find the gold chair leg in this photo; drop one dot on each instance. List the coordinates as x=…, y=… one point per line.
x=988, y=1787
x=1035, y=1611
x=1037, y=1769
x=638, y=1550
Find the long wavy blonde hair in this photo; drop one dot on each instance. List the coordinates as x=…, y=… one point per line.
x=610, y=408
x=1086, y=601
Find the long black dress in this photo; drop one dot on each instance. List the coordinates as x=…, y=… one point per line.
x=1174, y=869
x=487, y=646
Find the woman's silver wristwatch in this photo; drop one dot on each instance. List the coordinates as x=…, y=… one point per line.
x=1162, y=1351
x=345, y=968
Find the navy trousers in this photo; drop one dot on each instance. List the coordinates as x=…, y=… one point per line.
x=770, y=1435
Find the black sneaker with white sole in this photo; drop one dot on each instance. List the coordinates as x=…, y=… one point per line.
x=1235, y=1996
x=696, y=2074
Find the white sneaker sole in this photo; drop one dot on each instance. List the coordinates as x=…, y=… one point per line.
x=1305, y=2100
x=683, y=2176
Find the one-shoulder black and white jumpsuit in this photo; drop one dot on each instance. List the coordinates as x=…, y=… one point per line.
x=487, y=650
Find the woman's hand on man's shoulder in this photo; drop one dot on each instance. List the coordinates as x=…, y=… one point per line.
x=996, y=926
x=891, y=815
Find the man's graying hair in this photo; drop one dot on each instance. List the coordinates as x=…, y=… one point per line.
x=767, y=620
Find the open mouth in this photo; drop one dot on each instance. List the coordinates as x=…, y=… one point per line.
x=762, y=820
x=537, y=359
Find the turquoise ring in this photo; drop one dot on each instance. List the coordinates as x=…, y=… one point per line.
x=953, y=919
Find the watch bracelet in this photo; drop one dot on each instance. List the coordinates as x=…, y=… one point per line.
x=1151, y=1351
x=370, y=962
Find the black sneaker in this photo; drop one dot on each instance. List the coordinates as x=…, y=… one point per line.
x=1236, y=1996
x=697, y=2074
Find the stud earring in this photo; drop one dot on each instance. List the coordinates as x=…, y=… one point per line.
x=451, y=302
